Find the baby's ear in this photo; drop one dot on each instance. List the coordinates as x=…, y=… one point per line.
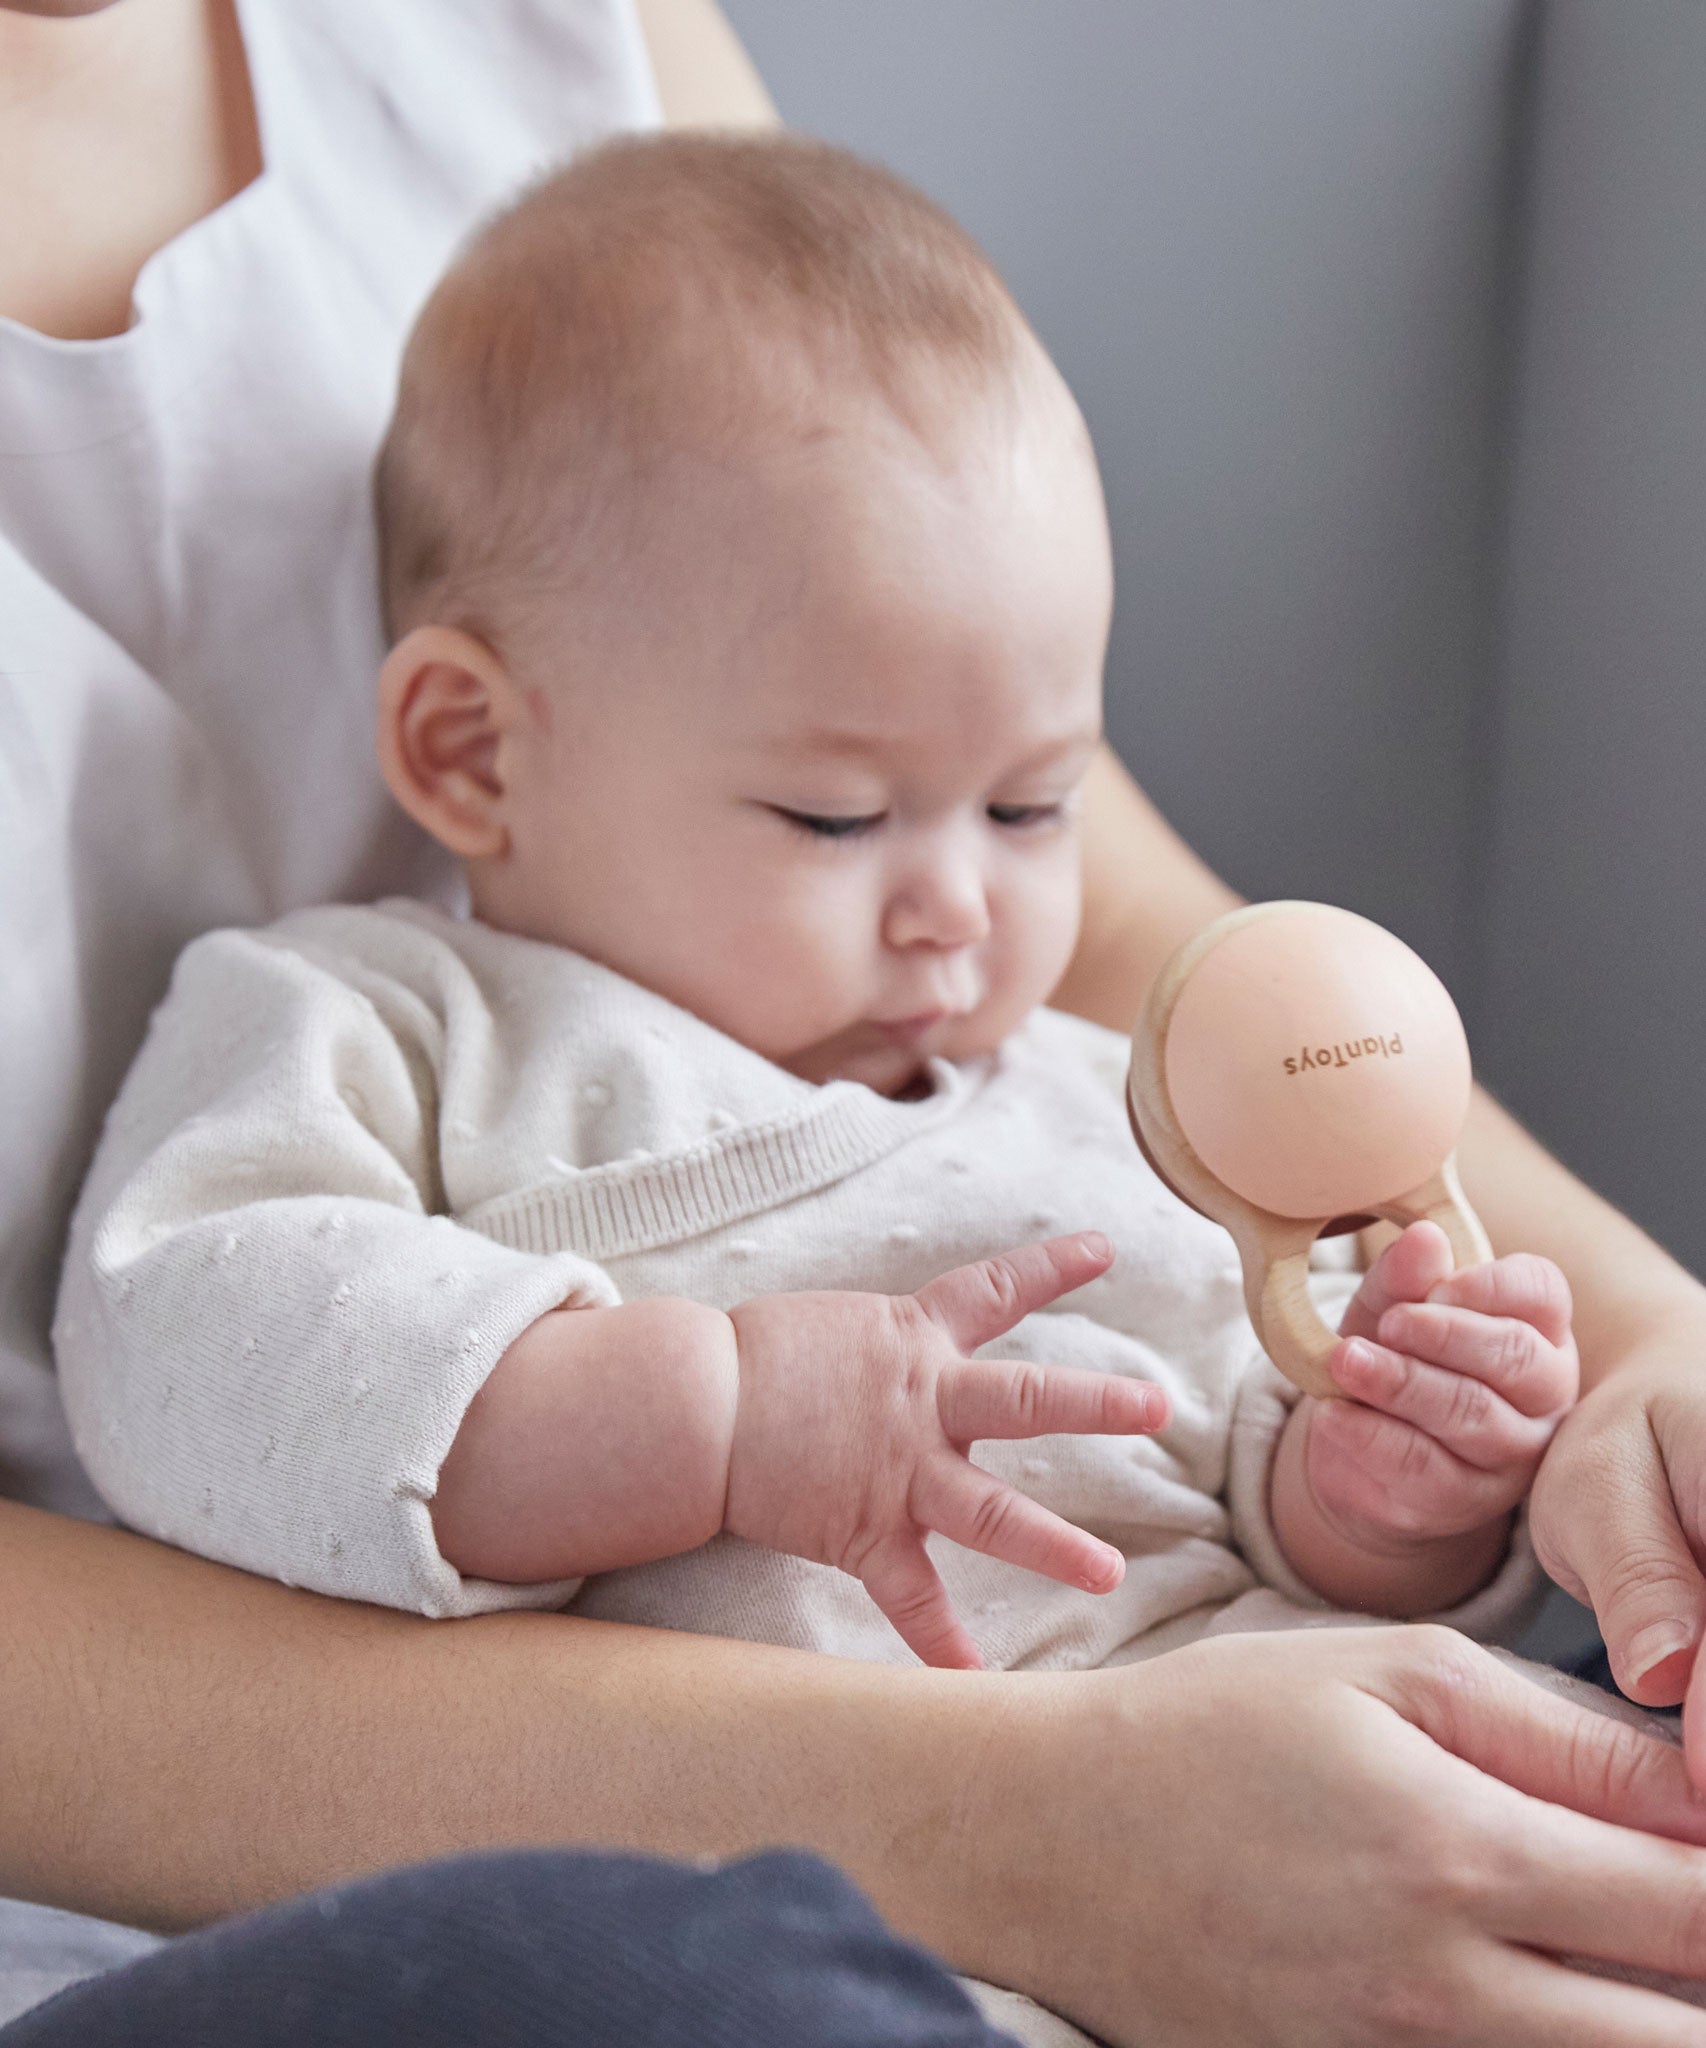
x=445, y=703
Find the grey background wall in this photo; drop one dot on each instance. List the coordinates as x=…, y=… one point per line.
x=1593, y=994
x=1385, y=315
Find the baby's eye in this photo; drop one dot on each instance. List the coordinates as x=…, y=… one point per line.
x=821, y=827
x=1026, y=814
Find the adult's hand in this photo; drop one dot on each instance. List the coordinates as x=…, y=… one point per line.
x=1346, y=1838
x=1618, y=1517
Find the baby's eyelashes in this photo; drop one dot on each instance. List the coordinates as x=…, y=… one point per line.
x=829, y=825
x=822, y=826
x=1027, y=814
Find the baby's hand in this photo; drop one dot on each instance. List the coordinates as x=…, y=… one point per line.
x=1457, y=1382
x=856, y=1412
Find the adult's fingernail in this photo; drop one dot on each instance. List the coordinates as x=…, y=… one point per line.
x=1649, y=1647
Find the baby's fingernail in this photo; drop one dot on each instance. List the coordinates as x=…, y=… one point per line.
x=1356, y=1355
x=1155, y=1408
x=1095, y=1245
x=1649, y=1647
x=1109, y=1573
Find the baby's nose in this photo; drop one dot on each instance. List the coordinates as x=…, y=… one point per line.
x=945, y=908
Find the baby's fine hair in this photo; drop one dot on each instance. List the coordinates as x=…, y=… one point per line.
x=660, y=294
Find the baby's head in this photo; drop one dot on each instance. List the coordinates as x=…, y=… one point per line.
x=749, y=577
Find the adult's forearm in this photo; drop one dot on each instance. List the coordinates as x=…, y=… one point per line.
x=1625, y=1286
x=183, y=1740
x=705, y=79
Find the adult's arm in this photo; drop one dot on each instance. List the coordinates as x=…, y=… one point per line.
x=183, y=1741
x=704, y=77
x=1619, y=1512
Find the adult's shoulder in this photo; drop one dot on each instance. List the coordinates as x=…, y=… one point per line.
x=448, y=107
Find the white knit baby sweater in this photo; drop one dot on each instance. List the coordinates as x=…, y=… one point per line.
x=363, y=1149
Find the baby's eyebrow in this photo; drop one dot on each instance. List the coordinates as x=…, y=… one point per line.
x=828, y=739
x=842, y=740
x=1083, y=742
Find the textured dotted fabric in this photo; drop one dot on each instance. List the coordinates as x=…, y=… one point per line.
x=363, y=1149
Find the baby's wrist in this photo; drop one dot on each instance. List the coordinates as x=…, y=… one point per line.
x=1407, y=1577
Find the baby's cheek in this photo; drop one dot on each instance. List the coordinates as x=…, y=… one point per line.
x=1036, y=938
x=792, y=985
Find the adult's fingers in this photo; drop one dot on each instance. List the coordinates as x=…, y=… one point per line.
x=991, y=1397
x=973, y=1507
x=898, y=1575
x=1580, y=1886
x=1605, y=1527
x=1529, y=2001
x=1694, y=1718
x=977, y=1302
x=1535, y=1741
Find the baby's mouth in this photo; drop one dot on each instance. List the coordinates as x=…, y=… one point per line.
x=909, y=1030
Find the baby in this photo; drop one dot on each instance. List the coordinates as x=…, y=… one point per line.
x=644, y=1241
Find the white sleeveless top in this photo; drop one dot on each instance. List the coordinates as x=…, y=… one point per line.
x=188, y=627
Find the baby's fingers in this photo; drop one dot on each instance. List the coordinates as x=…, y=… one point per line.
x=1454, y=1408
x=971, y=1506
x=1520, y=1284
x=1516, y=1361
x=987, y=1397
x=898, y=1575
x=1409, y=1267
x=1379, y=1471
x=977, y=1302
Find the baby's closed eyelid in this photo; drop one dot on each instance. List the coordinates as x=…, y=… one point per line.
x=1056, y=811
x=829, y=825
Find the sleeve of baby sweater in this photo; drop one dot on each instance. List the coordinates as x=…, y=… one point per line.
x=1265, y=1398
x=267, y=1339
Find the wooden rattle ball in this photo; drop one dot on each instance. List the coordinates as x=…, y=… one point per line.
x=1296, y=1063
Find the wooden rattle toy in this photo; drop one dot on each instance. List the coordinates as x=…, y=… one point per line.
x=1296, y=1064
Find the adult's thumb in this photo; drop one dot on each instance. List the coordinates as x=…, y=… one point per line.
x=1622, y=1550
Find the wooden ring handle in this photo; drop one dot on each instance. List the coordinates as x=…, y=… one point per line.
x=1274, y=1251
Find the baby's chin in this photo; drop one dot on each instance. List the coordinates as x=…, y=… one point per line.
x=889, y=1070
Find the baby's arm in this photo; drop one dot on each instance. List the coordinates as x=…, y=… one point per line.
x=834, y=1426
x=275, y=1352
x=266, y=1337
x=1398, y=1500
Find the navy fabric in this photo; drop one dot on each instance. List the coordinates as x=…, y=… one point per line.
x=559, y=1948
